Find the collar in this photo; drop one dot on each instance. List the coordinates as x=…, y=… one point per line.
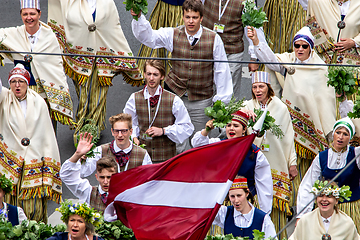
x=126, y=150
x=305, y=61
x=342, y=150
x=247, y=216
x=101, y=191
x=147, y=94
x=326, y=220
x=36, y=35
x=196, y=35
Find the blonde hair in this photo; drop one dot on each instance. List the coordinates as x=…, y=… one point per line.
x=121, y=117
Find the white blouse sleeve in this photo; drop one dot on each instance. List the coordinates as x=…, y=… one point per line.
x=304, y=196
x=131, y=109
x=265, y=54
x=201, y=140
x=220, y=217
x=90, y=165
x=268, y=227
x=263, y=183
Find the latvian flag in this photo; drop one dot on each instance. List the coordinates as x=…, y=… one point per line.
x=179, y=198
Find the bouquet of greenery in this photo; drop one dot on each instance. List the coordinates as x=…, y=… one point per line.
x=115, y=230
x=252, y=16
x=93, y=129
x=269, y=124
x=356, y=110
x=33, y=230
x=222, y=112
x=343, y=80
x=137, y=6
x=257, y=236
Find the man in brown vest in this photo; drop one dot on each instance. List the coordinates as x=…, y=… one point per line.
x=192, y=81
x=95, y=196
x=127, y=154
x=160, y=118
x=225, y=19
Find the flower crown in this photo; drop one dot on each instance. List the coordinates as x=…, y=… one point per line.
x=90, y=215
x=6, y=184
x=340, y=193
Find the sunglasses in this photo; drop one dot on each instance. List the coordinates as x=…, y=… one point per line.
x=303, y=46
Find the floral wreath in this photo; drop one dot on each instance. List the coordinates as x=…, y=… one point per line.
x=90, y=215
x=6, y=184
x=339, y=193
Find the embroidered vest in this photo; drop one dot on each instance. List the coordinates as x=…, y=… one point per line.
x=96, y=201
x=136, y=156
x=247, y=168
x=350, y=177
x=195, y=78
x=159, y=148
x=234, y=29
x=230, y=227
x=13, y=215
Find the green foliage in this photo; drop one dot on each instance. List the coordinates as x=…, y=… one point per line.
x=115, y=230
x=93, y=129
x=252, y=16
x=356, y=110
x=137, y=6
x=257, y=236
x=143, y=146
x=343, y=80
x=269, y=124
x=6, y=184
x=29, y=230
x=222, y=112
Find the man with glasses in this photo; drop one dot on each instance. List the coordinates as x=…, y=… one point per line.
x=127, y=154
x=160, y=118
x=29, y=151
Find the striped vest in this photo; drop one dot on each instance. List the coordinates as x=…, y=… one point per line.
x=195, y=78
x=159, y=148
x=136, y=156
x=95, y=200
x=234, y=30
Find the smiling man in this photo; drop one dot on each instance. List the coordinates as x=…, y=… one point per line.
x=192, y=81
x=160, y=118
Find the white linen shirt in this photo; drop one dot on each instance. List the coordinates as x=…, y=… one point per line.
x=245, y=220
x=313, y=174
x=164, y=38
x=35, y=36
x=90, y=165
x=178, y=132
x=21, y=214
x=263, y=179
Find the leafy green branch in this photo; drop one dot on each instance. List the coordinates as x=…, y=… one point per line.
x=343, y=80
x=137, y=6
x=269, y=124
x=222, y=112
x=252, y=16
x=93, y=129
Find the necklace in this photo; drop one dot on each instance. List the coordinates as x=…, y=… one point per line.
x=338, y=153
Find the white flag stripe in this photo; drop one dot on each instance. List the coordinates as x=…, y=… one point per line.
x=176, y=194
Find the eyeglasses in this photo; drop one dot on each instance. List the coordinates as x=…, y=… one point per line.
x=305, y=46
x=123, y=131
x=17, y=81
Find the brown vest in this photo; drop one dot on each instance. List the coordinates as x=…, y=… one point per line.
x=136, y=156
x=159, y=148
x=195, y=78
x=96, y=201
x=234, y=30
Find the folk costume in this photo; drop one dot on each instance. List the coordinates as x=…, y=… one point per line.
x=101, y=34
x=47, y=75
x=279, y=152
x=242, y=224
x=330, y=21
x=255, y=167
x=306, y=94
x=192, y=81
x=321, y=223
x=132, y=157
x=167, y=13
x=327, y=164
x=29, y=151
x=167, y=112
x=311, y=226
x=65, y=236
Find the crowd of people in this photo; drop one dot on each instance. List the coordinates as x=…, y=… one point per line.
x=279, y=175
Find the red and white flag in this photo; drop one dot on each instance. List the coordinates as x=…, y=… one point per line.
x=179, y=198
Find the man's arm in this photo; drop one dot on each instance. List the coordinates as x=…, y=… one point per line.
x=222, y=74
x=162, y=38
x=182, y=128
x=130, y=108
